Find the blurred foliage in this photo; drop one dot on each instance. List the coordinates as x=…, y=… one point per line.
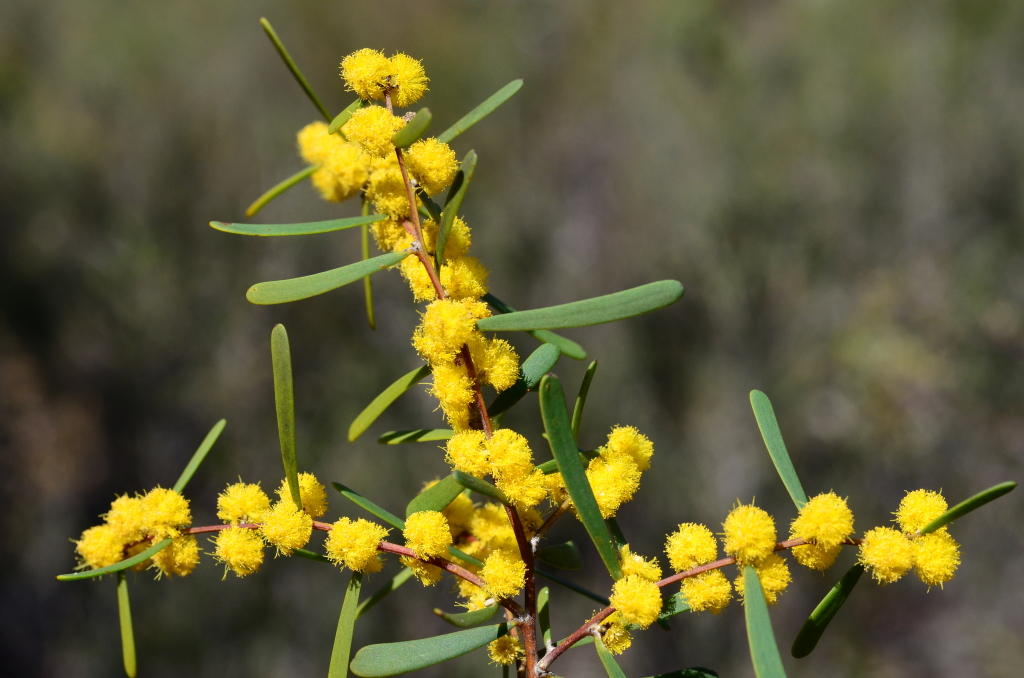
x=838, y=185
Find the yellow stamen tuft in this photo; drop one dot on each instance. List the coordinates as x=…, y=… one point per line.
x=825, y=520
x=242, y=503
x=427, y=534
x=504, y=574
x=465, y=451
x=774, y=575
x=286, y=527
x=100, y=546
x=313, y=494
x=616, y=637
x=432, y=163
x=505, y=650
x=628, y=440
x=637, y=600
x=368, y=73
x=372, y=128
x=709, y=591
x=749, y=534
x=614, y=480
x=179, y=558
x=936, y=557
x=919, y=508
x=353, y=544
x=888, y=553
x=240, y=549
x=817, y=557
x=427, y=574
x=689, y=546
x=410, y=80
x=634, y=563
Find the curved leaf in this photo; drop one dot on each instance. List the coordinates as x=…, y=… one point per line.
x=968, y=505
x=563, y=556
x=384, y=591
x=420, y=435
x=124, y=614
x=294, y=69
x=481, y=111
x=673, y=605
x=390, y=659
x=769, y=425
x=465, y=620
x=532, y=370
x=596, y=311
x=283, y=291
x=341, y=118
x=581, y=401
x=363, y=502
x=311, y=555
x=364, y=247
x=465, y=557
x=559, y=431
x=309, y=228
x=611, y=667
x=821, y=617
x=544, y=615
x=413, y=130
x=384, y=400
x=481, y=487
x=568, y=347
x=763, y=651
x=199, y=456
x=273, y=192
x=117, y=567
x=284, y=400
x=346, y=625
x=596, y=597
x=436, y=497
x=451, y=206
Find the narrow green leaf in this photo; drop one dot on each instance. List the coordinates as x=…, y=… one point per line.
x=968, y=505
x=341, y=118
x=596, y=311
x=346, y=625
x=413, y=130
x=481, y=111
x=596, y=597
x=616, y=532
x=581, y=400
x=481, y=487
x=390, y=659
x=563, y=556
x=436, y=497
x=117, y=567
x=769, y=425
x=465, y=620
x=568, y=347
x=433, y=209
x=695, y=672
x=384, y=400
x=763, y=651
x=451, y=206
x=673, y=605
x=309, y=228
x=283, y=291
x=363, y=502
x=284, y=399
x=294, y=69
x=465, y=557
x=531, y=371
x=544, y=614
x=611, y=667
x=364, y=242
x=821, y=617
x=311, y=555
x=563, y=447
x=124, y=613
x=273, y=192
x=199, y=456
x=420, y=435
x=384, y=591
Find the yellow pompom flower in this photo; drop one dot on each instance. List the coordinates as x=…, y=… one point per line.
x=410, y=80
x=749, y=534
x=241, y=550
x=689, y=546
x=504, y=574
x=509, y=453
x=707, y=592
x=637, y=600
x=343, y=168
x=616, y=637
x=500, y=365
x=427, y=574
x=419, y=280
x=476, y=597
x=817, y=557
x=614, y=480
x=388, y=234
x=459, y=238
x=372, y=128
x=387, y=191
x=459, y=514
x=427, y=534
x=286, y=527
x=490, y=525
x=525, y=488
x=100, y=546
x=353, y=544
x=936, y=557
x=824, y=520
x=368, y=73
x=774, y=574
x=628, y=440
x=505, y=650
x=466, y=452
x=888, y=553
x=313, y=494
x=464, y=278
x=242, y=503
x=179, y=558
x=432, y=163
x=127, y=517
x=919, y=508
x=454, y=392
x=166, y=513
x=634, y=563
x=446, y=325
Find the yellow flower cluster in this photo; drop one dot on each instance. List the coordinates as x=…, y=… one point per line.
x=690, y=546
x=353, y=543
x=242, y=503
x=637, y=599
x=312, y=493
x=370, y=74
x=506, y=456
x=890, y=553
x=616, y=636
x=343, y=168
x=133, y=524
x=750, y=538
x=240, y=549
x=505, y=650
x=826, y=521
x=427, y=534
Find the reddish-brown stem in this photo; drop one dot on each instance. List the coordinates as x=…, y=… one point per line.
x=478, y=394
x=552, y=518
x=529, y=624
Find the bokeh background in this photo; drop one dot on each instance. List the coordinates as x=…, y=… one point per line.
x=838, y=184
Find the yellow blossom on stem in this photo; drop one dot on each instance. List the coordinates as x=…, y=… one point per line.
x=446, y=325
x=179, y=558
x=372, y=128
x=166, y=513
x=637, y=600
x=241, y=550
x=427, y=574
x=313, y=494
x=504, y=574
x=242, y=503
x=817, y=557
x=919, y=508
x=427, y=534
x=614, y=480
x=466, y=452
x=749, y=534
x=127, y=517
x=689, y=546
x=353, y=544
x=432, y=163
x=936, y=557
x=500, y=364
x=634, y=563
x=100, y=546
x=409, y=78
x=709, y=591
x=887, y=553
x=616, y=637
x=464, y=278
x=420, y=284
x=454, y=391
x=343, y=167
x=387, y=191
x=825, y=520
x=459, y=237
x=490, y=525
x=505, y=650
x=388, y=234
x=286, y=527
x=774, y=575
x=459, y=514
x=628, y=440
x=368, y=73
x=509, y=453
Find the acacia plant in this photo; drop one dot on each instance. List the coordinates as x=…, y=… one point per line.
x=485, y=524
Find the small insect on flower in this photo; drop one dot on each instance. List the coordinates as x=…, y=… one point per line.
x=709, y=591
x=773, y=572
x=689, y=546
x=936, y=557
x=353, y=544
x=749, y=534
x=505, y=650
x=504, y=574
x=427, y=534
x=637, y=600
x=887, y=553
x=240, y=550
x=919, y=508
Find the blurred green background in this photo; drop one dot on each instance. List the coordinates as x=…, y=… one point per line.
x=838, y=184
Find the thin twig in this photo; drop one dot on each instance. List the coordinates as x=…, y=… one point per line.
x=551, y=521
